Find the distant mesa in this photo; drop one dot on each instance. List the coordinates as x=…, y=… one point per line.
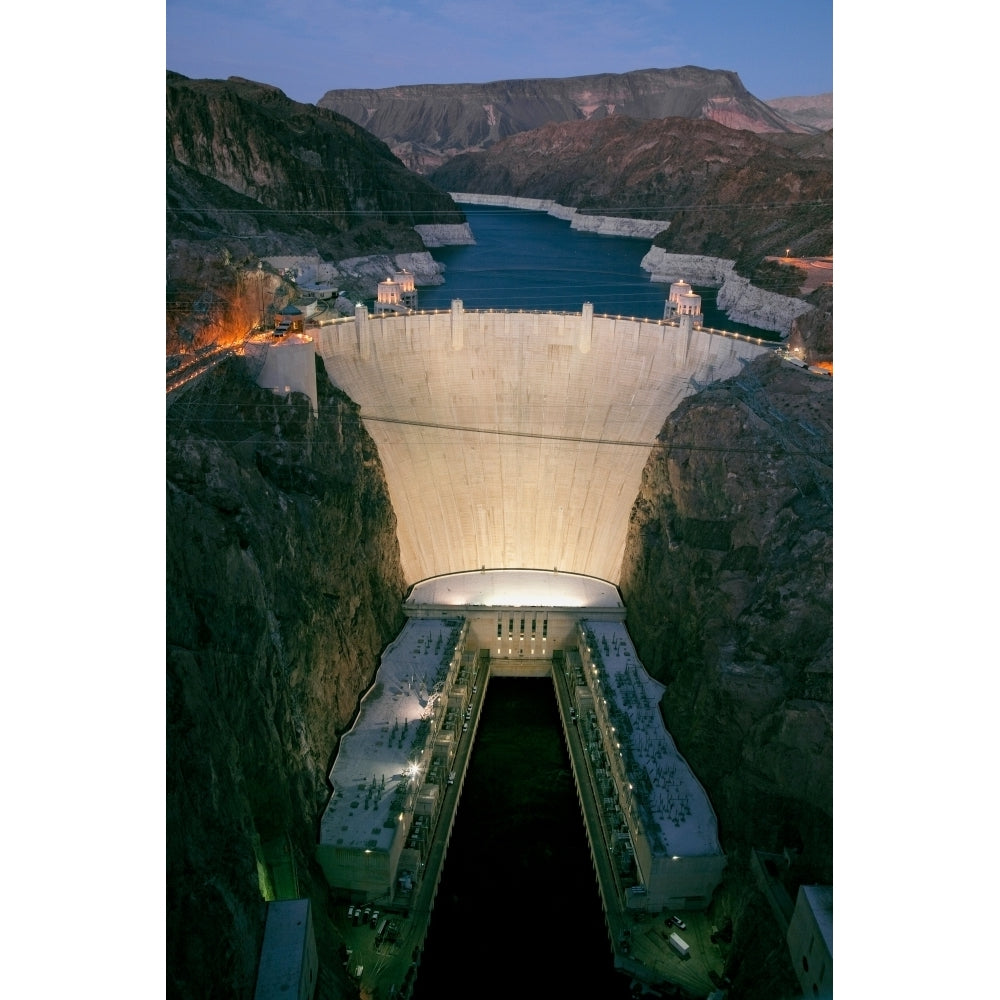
x=427, y=124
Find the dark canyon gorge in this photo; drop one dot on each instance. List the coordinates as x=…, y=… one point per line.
x=284, y=585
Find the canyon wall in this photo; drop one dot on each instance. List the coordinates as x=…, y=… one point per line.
x=283, y=585
x=727, y=579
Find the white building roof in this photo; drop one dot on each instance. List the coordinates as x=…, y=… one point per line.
x=820, y=901
x=515, y=588
x=285, y=943
x=670, y=797
x=372, y=770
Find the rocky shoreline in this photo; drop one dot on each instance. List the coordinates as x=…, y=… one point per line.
x=741, y=301
x=358, y=277
x=603, y=225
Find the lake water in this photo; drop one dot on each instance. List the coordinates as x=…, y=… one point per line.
x=531, y=260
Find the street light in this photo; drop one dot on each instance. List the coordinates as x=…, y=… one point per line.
x=260, y=286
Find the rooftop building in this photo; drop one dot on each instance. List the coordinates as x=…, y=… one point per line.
x=393, y=767
x=810, y=940
x=659, y=822
x=289, y=966
x=397, y=294
x=683, y=305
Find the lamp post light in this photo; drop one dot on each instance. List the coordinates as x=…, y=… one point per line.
x=260, y=287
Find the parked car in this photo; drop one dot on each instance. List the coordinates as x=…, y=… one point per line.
x=677, y=922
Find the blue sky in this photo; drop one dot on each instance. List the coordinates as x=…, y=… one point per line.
x=779, y=48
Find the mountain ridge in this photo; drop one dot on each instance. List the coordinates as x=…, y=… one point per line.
x=427, y=124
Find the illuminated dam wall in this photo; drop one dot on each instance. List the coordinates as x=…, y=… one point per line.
x=516, y=440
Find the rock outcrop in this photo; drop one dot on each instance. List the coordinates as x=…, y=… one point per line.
x=741, y=300
x=283, y=585
x=427, y=124
x=244, y=160
x=361, y=275
x=727, y=578
x=812, y=333
x=815, y=112
x=446, y=236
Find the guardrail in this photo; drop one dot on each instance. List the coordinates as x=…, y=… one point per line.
x=379, y=317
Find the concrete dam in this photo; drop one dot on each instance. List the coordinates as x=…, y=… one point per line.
x=517, y=440
x=513, y=445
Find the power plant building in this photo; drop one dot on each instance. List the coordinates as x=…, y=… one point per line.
x=391, y=768
x=661, y=826
x=657, y=826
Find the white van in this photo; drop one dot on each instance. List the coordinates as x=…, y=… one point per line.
x=680, y=945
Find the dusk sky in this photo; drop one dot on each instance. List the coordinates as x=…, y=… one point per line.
x=779, y=48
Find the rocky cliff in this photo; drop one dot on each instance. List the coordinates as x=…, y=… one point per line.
x=727, y=579
x=245, y=161
x=425, y=125
x=811, y=334
x=253, y=175
x=814, y=112
x=283, y=585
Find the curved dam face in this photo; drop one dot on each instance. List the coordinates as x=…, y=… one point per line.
x=515, y=440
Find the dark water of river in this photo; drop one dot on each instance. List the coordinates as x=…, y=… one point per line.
x=531, y=260
x=518, y=913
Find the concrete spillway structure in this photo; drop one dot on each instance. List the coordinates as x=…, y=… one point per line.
x=516, y=439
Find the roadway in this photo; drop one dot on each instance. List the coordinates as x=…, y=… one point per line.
x=195, y=365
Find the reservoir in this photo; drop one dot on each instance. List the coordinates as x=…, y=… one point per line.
x=530, y=260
